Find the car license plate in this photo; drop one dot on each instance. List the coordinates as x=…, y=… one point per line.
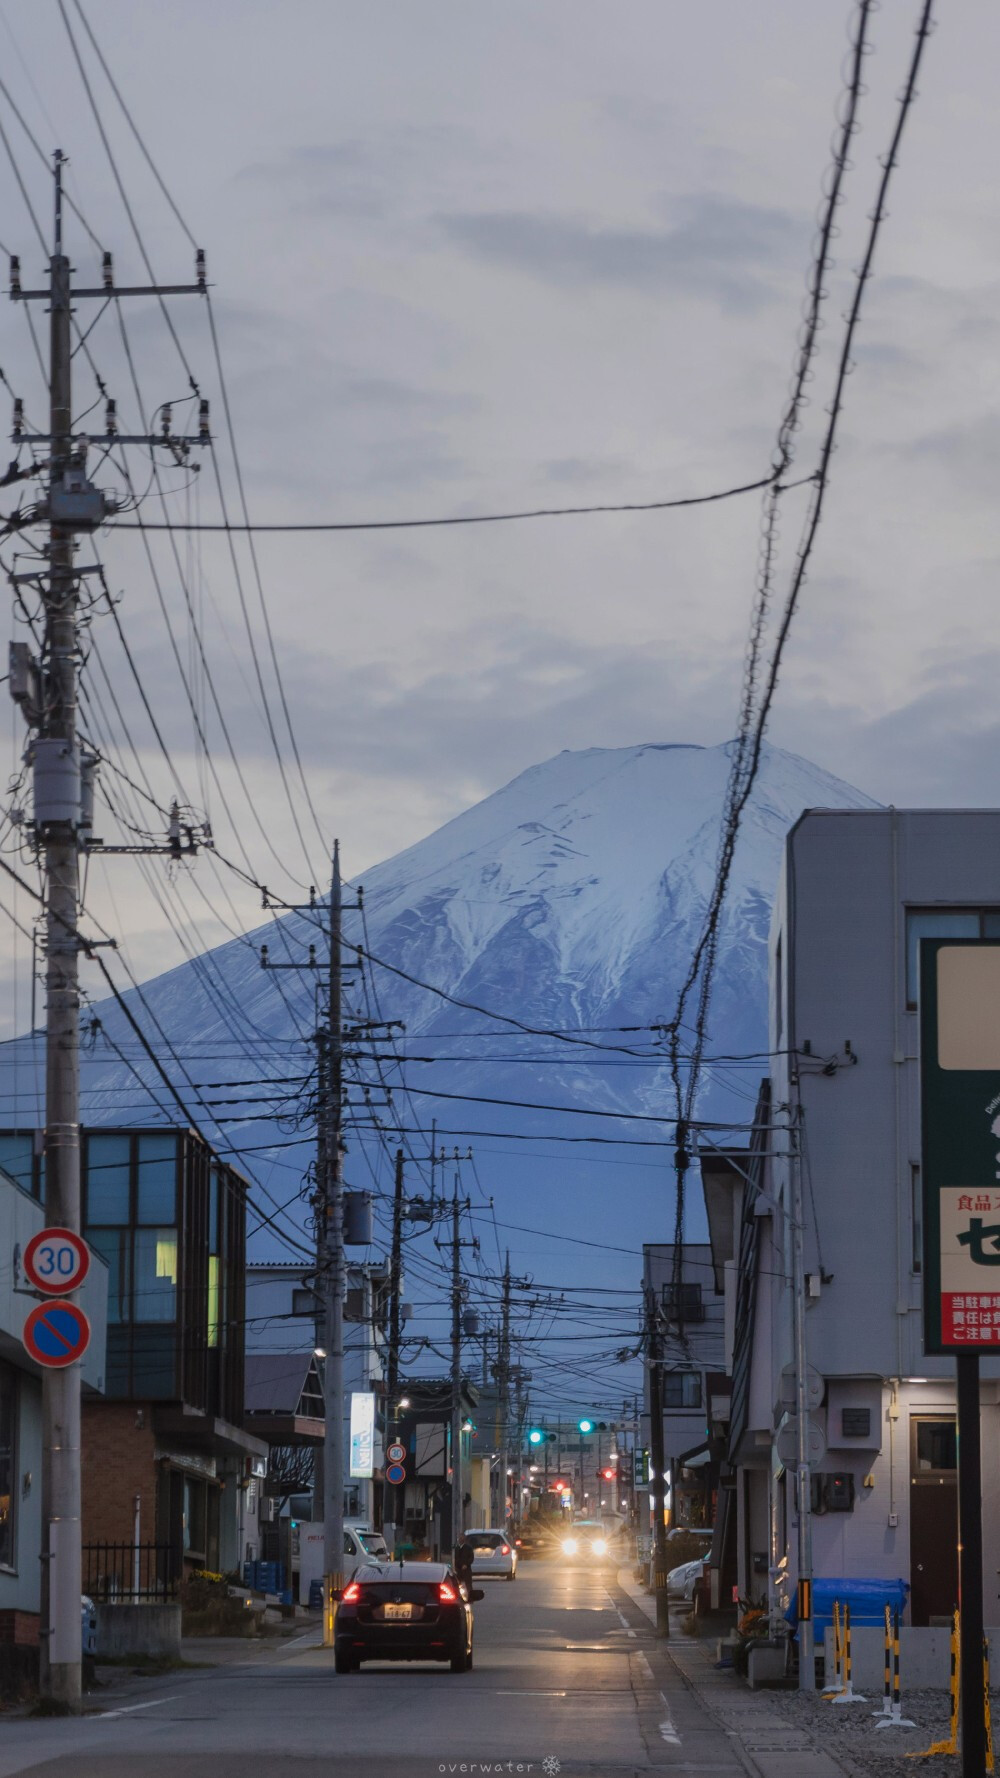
x=398, y=1611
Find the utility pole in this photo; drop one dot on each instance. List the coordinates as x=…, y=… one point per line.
x=62, y=1565
x=503, y=1388
x=46, y=689
x=657, y=1464
x=332, y=1270
x=457, y=1511
x=390, y=1490
x=807, y=1662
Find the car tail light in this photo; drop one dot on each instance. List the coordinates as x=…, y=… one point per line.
x=505, y=1549
x=351, y=1594
x=447, y=1593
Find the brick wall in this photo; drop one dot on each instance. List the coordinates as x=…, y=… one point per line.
x=117, y=1464
x=20, y=1627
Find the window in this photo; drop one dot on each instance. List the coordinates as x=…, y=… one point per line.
x=682, y=1389
x=154, y=1363
x=692, y=1307
x=194, y=1517
x=213, y=1299
x=17, y=1157
x=8, y=1464
x=114, y=1246
x=156, y=1198
x=917, y=1206
x=940, y=923
x=108, y=1173
x=935, y=1444
x=155, y=1274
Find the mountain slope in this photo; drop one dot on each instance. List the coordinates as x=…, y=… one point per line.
x=569, y=901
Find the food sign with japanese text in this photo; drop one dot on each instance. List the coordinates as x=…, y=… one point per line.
x=960, y=1080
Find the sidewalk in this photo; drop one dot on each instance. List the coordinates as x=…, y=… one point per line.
x=761, y=1725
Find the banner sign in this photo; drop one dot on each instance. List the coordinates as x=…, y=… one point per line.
x=960, y=1092
x=362, y=1436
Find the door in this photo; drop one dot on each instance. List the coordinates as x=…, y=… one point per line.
x=933, y=1517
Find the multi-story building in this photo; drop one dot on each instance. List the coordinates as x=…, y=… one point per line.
x=694, y=1384
x=285, y=1400
x=858, y=891
x=165, y=1458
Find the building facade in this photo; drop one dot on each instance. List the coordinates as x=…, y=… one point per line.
x=282, y=1321
x=166, y=1461
x=694, y=1385
x=858, y=891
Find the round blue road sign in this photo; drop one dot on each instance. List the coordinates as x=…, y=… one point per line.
x=395, y=1473
x=56, y=1334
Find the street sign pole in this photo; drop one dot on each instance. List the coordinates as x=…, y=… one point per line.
x=973, y=1707
x=960, y=1093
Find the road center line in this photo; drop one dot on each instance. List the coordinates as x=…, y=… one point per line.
x=126, y=1709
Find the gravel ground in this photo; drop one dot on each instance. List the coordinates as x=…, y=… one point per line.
x=851, y=1734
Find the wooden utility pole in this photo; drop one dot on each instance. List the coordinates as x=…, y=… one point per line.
x=46, y=689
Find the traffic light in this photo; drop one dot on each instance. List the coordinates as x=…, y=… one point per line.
x=539, y=1436
x=587, y=1425
x=608, y=1475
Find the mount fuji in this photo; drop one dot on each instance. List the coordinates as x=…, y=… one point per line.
x=567, y=902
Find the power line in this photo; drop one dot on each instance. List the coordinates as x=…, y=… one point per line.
x=479, y=518
x=746, y=758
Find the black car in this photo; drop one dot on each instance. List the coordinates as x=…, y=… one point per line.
x=414, y=1611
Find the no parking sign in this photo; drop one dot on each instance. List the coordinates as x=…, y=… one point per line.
x=56, y=1334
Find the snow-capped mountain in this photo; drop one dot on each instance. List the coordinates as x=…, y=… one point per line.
x=568, y=901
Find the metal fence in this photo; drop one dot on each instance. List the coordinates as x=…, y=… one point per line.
x=128, y=1573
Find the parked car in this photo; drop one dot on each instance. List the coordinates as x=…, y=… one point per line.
x=493, y=1553
x=414, y=1612
x=682, y=1581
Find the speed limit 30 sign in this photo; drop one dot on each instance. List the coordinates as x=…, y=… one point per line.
x=56, y=1261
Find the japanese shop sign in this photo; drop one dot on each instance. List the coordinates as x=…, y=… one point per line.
x=960, y=1081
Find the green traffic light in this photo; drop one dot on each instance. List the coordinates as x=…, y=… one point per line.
x=535, y=1437
x=586, y=1425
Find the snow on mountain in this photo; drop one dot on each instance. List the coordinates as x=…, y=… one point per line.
x=568, y=900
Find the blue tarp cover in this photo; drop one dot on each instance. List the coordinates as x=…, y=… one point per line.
x=866, y=1598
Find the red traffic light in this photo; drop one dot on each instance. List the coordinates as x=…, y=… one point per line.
x=608, y=1475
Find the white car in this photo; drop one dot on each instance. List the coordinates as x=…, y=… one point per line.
x=364, y=1548
x=493, y=1553
x=682, y=1581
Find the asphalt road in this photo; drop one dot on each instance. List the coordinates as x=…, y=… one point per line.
x=566, y=1670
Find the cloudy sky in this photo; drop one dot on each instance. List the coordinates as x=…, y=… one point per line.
x=469, y=257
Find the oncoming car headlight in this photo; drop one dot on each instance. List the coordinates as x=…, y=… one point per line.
x=599, y=1547
x=570, y=1546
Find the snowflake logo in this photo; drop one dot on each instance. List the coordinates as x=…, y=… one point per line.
x=551, y=1766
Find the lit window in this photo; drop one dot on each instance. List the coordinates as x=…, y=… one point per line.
x=155, y=1274
x=213, y=1299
